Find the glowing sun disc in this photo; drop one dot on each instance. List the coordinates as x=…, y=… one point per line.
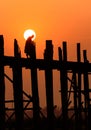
x=28, y=33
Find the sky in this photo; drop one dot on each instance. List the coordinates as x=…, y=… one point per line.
x=56, y=20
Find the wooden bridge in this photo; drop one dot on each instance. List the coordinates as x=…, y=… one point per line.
x=79, y=88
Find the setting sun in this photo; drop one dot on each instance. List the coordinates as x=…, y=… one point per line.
x=29, y=33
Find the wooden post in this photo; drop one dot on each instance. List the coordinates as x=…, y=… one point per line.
x=2, y=86
x=86, y=83
x=17, y=86
x=86, y=94
x=60, y=54
x=75, y=100
x=64, y=86
x=79, y=86
x=34, y=83
x=48, y=56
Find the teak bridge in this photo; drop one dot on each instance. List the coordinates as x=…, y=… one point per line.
x=79, y=87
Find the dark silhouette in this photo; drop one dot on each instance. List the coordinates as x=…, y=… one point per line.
x=75, y=111
x=29, y=46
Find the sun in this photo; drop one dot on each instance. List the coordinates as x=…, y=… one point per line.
x=29, y=33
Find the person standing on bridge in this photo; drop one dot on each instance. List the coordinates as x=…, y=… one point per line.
x=29, y=47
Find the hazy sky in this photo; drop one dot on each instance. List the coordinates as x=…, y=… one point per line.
x=58, y=20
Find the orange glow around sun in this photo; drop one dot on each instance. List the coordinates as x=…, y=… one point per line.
x=29, y=33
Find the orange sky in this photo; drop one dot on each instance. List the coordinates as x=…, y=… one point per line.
x=58, y=20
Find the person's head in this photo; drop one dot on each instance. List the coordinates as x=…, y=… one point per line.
x=30, y=38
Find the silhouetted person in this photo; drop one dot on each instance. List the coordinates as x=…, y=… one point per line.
x=29, y=47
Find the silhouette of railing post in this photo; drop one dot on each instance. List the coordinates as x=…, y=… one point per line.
x=64, y=87
x=79, y=87
x=75, y=100
x=17, y=86
x=2, y=86
x=34, y=83
x=48, y=56
x=86, y=94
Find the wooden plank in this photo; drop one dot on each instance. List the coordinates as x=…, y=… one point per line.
x=75, y=100
x=48, y=56
x=86, y=94
x=42, y=64
x=79, y=86
x=64, y=88
x=17, y=86
x=2, y=86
